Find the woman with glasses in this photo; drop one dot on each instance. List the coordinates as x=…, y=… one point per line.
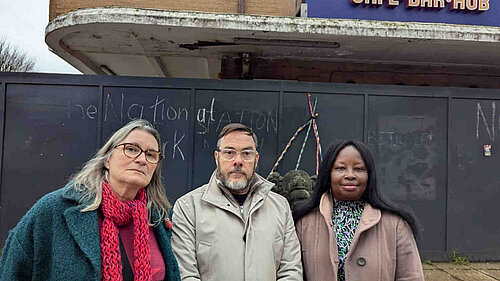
x=108, y=223
x=348, y=230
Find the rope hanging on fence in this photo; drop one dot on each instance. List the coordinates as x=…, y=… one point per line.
x=319, y=154
x=311, y=123
x=307, y=136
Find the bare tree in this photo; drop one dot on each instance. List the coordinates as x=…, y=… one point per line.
x=13, y=59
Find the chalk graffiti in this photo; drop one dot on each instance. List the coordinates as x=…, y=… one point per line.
x=407, y=156
x=160, y=111
x=208, y=118
x=82, y=111
x=490, y=128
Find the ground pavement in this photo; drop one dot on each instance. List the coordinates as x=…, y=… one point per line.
x=441, y=271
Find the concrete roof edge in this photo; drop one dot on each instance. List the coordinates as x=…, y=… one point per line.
x=313, y=26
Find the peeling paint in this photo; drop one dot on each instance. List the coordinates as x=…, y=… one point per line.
x=158, y=33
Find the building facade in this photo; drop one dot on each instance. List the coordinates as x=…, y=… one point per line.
x=413, y=42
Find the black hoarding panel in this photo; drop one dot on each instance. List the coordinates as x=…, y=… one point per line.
x=474, y=182
x=339, y=117
x=408, y=136
x=447, y=175
x=169, y=111
x=49, y=132
x=217, y=108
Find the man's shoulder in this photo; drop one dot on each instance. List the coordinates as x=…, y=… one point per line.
x=277, y=197
x=277, y=200
x=194, y=194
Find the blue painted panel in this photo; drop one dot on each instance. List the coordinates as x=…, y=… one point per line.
x=343, y=9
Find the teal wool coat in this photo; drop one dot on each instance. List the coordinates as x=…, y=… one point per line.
x=55, y=241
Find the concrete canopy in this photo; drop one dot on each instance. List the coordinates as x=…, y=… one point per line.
x=144, y=42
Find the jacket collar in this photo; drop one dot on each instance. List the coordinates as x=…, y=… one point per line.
x=370, y=216
x=326, y=206
x=218, y=195
x=71, y=193
x=163, y=236
x=84, y=227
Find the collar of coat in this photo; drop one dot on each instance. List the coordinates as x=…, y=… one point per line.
x=217, y=194
x=83, y=226
x=370, y=216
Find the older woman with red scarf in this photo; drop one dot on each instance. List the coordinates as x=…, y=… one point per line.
x=110, y=222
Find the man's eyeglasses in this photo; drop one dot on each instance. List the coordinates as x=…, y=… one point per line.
x=133, y=151
x=230, y=154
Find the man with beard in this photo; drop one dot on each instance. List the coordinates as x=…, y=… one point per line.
x=234, y=228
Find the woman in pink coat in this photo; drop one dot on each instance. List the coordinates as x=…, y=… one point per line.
x=348, y=230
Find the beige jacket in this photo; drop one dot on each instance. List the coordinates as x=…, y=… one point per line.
x=214, y=239
x=383, y=247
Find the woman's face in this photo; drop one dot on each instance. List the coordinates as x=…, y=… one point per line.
x=128, y=175
x=349, y=175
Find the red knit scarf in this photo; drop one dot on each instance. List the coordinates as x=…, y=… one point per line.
x=117, y=213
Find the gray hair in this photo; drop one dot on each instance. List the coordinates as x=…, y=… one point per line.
x=236, y=127
x=89, y=180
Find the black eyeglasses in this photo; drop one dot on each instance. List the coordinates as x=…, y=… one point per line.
x=133, y=151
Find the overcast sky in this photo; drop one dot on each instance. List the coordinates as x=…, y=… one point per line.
x=22, y=23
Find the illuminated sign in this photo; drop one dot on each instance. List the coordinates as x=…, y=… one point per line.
x=474, y=12
x=470, y=5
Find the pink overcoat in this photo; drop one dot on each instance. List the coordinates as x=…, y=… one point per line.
x=383, y=247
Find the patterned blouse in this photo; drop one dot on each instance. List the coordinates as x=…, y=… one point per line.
x=345, y=218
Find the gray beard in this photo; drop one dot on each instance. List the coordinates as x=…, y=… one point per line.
x=235, y=185
x=232, y=185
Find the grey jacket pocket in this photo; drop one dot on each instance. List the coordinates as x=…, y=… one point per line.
x=203, y=257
